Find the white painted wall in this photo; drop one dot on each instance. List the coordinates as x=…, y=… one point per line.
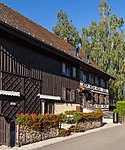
x=61, y=108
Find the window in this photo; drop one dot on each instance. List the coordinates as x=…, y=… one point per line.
x=102, y=83
x=63, y=68
x=74, y=72
x=68, y=70
x=69, y=94
x=83, y=76
x=49, y=107
x=97, y=81
x=91, y=79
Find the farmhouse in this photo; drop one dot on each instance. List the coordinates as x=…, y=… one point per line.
x=41, y=73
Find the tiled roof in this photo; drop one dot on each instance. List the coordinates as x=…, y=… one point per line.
x=26, y=25
x=91, y=62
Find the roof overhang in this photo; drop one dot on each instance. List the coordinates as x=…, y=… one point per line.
x=49, y=97
x=9, y=93
x=34, y=41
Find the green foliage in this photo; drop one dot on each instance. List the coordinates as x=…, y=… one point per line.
x=93, y=115
x=70, y=112
x=35, y=121
x=120, y=107
x=65, y=29
x=61, y=117
x=104, y=43
x=77, y=116
x=98, y=110
x=115, y=111
x=63, y=132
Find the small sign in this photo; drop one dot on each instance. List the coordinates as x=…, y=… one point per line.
x=102, y=106
x=13, y=103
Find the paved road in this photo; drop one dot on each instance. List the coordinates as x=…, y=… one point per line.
x=108, y=139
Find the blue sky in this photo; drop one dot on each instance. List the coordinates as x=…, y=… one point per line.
x=82, y=12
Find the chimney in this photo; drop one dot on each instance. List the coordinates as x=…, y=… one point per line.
x=66, y=39
x=77, y=52
x=87, y=59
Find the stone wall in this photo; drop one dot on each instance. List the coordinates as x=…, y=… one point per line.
x=25, y=135
x=90, y=124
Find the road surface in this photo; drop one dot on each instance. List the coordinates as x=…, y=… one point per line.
x=108, y=139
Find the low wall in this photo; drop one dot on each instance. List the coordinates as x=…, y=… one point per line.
x=90, y=124
x=26, y=135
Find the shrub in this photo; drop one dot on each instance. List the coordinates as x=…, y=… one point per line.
x=61, y=118
x=70, y=112
x=63, y=132
x=35, y=121
x=98, y=110
x=92, y=115
x=120, y=106
x=77, y=116
x=115, y=111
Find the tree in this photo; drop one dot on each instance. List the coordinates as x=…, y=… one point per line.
x=65, y=29
x=104, y=43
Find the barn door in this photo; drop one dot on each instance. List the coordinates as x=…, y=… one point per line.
x=31, y=91
x=4, y=132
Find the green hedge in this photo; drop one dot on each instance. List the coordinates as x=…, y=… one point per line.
x=120, y=108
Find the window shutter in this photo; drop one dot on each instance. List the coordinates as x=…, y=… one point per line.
x=63, y=93
x=72, y=96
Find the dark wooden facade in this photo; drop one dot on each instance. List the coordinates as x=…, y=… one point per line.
x=30, y=70
x=32, y=67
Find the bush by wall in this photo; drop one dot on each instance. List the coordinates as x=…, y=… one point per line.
x=120, y=108
x=35, y=121
x=63, y=132
x=80, y=116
